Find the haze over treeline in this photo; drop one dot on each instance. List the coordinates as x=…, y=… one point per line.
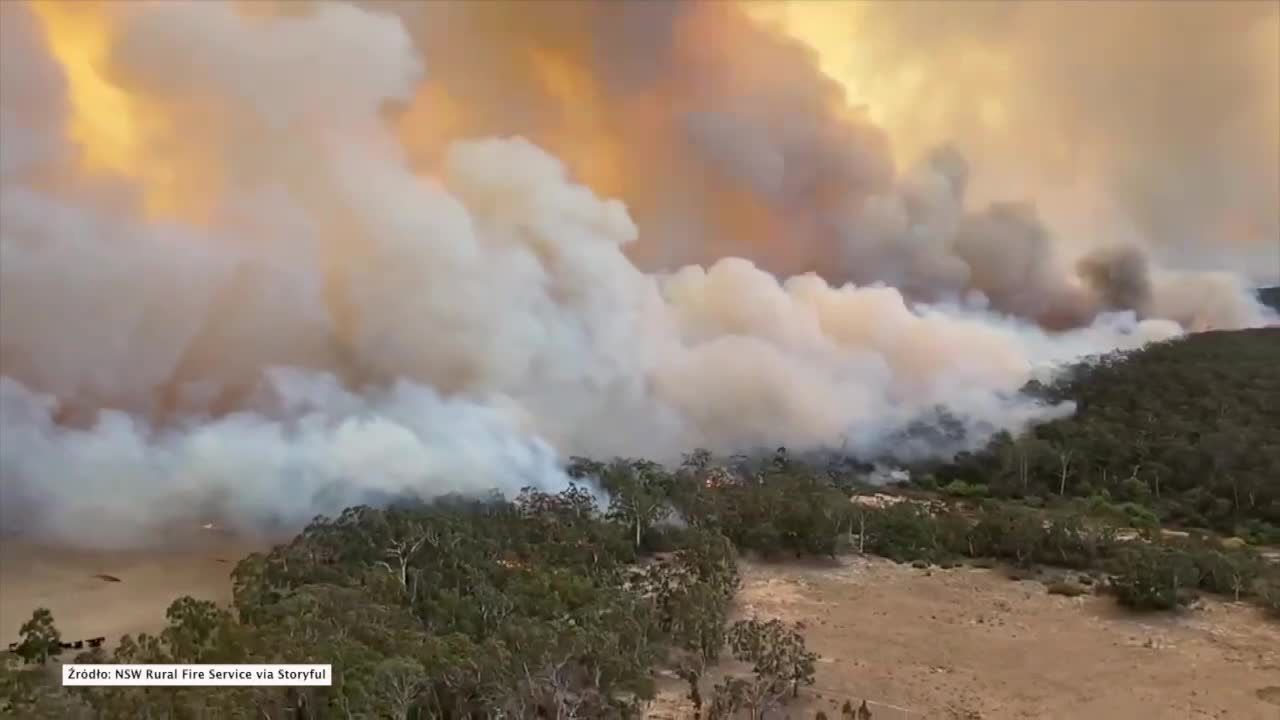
x=264, y=260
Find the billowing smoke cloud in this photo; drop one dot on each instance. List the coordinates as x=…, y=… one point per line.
x=308, y=446
x=1154, y=123
x=269, y=297
x=723, y=138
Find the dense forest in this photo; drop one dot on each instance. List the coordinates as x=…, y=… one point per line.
x=1184, y=432
x=568, y=605
x=542, y=607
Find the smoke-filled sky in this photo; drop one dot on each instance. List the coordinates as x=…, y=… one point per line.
x=262, y=260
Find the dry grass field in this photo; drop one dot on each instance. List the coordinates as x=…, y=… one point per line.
x=960, y=643
x=970, y=643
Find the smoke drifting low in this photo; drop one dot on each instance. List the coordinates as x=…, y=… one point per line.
x=311, y=259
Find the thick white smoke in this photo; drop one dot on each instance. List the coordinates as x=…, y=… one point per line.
x=345, y=330
x=311, y=447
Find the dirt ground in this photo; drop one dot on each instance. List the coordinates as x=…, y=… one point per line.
x=961, y=643
x=110, y=593
x=970, y=643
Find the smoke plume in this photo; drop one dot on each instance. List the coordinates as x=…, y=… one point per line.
x=260, y=261
x=1127, y=122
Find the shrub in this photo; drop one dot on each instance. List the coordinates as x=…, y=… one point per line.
x=780, y=661
x=1066, y=542
x=1155, y=578
x=962, y=489
x=903, y=533
x=1259, y=532
x=1225, y=572
x=1067, y=589
x=1134, y=490
x=1007, y=532
x=1139, y=516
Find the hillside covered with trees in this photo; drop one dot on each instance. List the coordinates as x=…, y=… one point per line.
x=542, y=607
x=1186, y=432
x=568, y=605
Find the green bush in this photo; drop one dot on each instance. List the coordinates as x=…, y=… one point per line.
x=1139, y=516
x=1067, y=542
x=788, y=513
x=1151, y=577
x=1225, y=572
x=1134, y=490
x=1259, y=532
x=962, y=489
x=904, y=532
x=1008, y=532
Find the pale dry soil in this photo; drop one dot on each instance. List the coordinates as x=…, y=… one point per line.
x=959, y=643
x=85, y=604
x=970, y=643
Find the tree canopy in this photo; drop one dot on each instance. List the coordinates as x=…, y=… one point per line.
x=1187, y=430
x=565, y=604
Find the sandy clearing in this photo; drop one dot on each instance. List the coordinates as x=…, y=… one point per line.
x=969, y=643
x=961, y=643
x=86, y=606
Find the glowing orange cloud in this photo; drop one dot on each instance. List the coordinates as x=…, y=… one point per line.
x=117, y=131
x=895, y=96
x=102, y=120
